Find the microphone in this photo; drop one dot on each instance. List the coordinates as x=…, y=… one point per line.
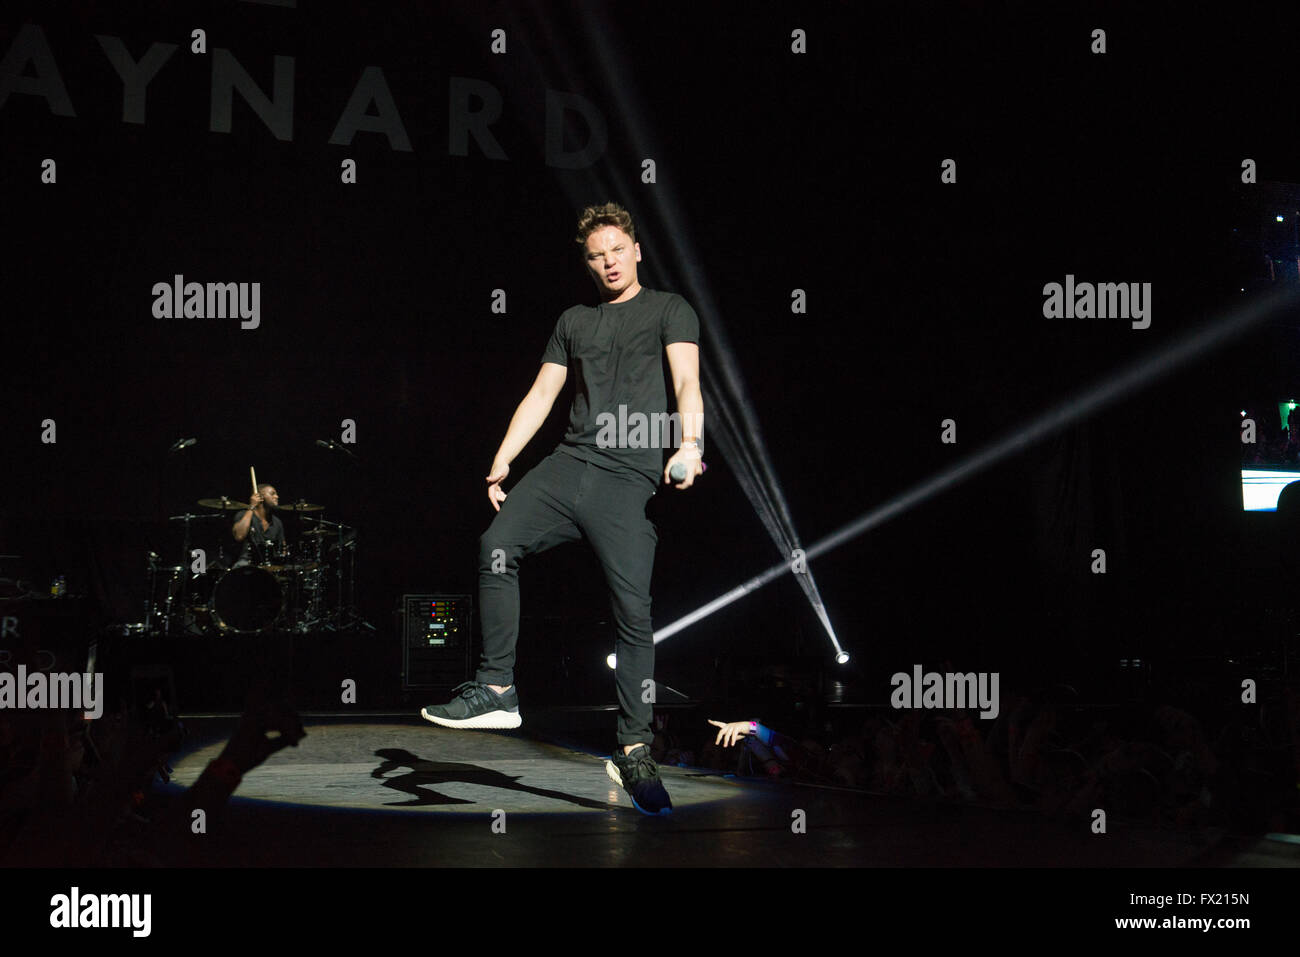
x=336, y=447
x=182, y=444
x=678, y=472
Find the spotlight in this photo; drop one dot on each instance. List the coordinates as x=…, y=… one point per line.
x=1279, y=218
x=842, y=658
x=611, y=660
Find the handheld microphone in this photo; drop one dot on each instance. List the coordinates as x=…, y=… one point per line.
x=678, y=472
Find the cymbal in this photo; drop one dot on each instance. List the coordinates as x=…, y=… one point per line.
x=223, y=503
x=302, y=507
x=348, y=537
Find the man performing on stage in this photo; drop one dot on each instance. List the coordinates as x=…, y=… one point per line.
x=595, y=485
x=259, y=528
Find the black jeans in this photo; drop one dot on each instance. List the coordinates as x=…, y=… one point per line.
x=564, y=499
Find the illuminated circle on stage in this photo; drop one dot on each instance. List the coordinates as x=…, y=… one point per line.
x=406, y=768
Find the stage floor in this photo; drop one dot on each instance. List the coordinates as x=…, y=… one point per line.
x=402, y=792
x=424, y=768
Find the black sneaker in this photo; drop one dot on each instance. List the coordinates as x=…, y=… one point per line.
x=638, y=775
x=475, y=705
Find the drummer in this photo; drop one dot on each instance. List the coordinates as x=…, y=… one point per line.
x=259, y=528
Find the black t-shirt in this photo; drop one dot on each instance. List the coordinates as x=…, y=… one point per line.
x=619, y=417
x=255, y=543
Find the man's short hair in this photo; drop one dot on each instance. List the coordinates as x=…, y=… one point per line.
x=261, y=489
x=607, y=214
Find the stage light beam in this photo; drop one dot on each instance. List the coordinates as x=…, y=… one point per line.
x=1142, y=373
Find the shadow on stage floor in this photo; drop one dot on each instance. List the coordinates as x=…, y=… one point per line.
x=396, y=791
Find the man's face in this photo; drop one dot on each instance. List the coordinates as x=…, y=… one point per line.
x=611, y=260
x=271, y=497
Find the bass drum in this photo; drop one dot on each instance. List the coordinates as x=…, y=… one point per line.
x=247, y=601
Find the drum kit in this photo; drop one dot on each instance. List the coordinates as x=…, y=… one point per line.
x=309, y=586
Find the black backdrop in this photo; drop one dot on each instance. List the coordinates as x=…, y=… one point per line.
x=818, y=171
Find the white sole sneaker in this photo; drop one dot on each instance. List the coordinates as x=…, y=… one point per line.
x=494, y=720
x=612, y=770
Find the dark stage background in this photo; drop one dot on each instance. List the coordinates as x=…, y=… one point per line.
x=817, y=171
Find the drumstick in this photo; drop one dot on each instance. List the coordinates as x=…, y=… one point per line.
x=252, y=472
